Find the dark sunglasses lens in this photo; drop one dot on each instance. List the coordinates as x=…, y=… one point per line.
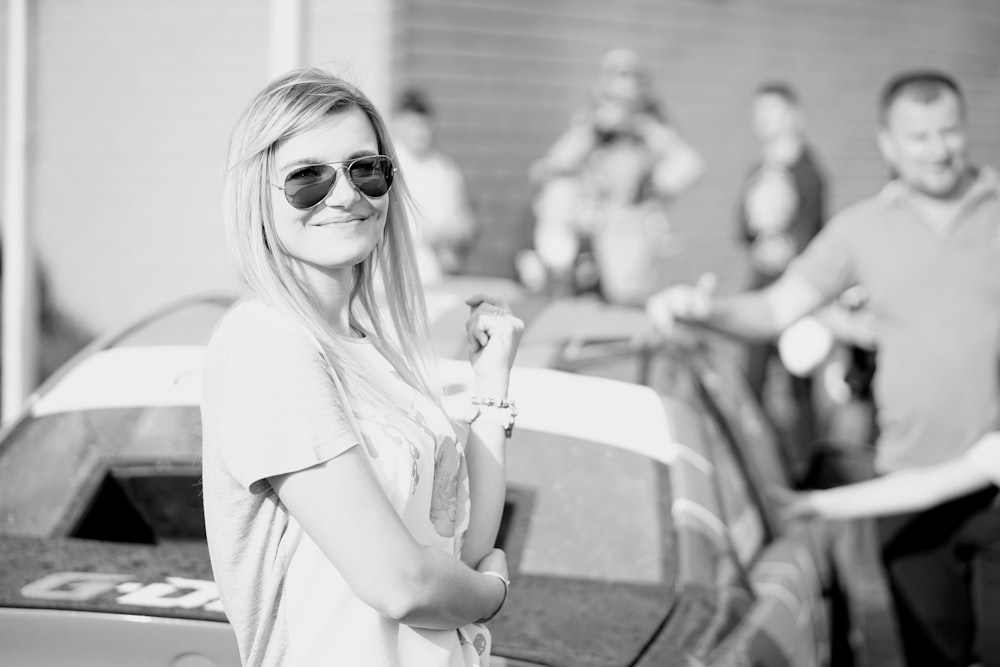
x=306, y=187
x=372, y=175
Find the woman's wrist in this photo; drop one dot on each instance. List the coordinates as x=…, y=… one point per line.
x=497, y=411
x=492, y=387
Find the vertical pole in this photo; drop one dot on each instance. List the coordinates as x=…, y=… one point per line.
x=286, y=32
x=19, y=369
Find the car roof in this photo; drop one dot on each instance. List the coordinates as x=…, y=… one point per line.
x=164, y=375
x=157, y=362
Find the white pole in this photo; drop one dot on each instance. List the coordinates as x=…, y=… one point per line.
x=20, y=309
x=286, y=29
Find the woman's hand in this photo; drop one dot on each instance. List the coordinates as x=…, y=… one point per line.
x=494, y=334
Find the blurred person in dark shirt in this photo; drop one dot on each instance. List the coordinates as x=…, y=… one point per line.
x=782, y=207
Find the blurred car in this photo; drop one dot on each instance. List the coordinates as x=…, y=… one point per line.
x=637, y=525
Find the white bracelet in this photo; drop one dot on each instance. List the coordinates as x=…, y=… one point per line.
x=506, y=588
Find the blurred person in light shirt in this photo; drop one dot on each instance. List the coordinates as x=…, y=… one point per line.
x=604, y=188
x=444, y=223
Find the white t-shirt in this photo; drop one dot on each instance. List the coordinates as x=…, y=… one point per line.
x=270, y=407
x=986, y=455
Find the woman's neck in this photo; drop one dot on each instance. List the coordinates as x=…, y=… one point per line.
x=332, y=291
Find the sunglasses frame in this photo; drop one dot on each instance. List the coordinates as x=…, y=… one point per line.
x=341, y=167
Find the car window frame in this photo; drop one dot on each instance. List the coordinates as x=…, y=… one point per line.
x=700, y=360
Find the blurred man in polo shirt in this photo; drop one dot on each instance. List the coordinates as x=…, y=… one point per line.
x=927, y=248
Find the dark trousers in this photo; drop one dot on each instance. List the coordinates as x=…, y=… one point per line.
x=943, y=570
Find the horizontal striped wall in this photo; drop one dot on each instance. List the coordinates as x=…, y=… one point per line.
x=506, y=75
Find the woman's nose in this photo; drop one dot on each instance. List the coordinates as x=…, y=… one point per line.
x=343, y=191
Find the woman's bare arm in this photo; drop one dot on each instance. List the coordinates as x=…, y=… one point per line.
x=342, y=507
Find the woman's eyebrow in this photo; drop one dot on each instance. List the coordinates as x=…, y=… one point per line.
x=300, y=162
x=305, y=161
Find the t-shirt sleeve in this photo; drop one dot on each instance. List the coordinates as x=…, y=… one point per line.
x=985, y=455
x=276, y=408
x=827, y=263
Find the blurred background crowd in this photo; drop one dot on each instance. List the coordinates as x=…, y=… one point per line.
x=129, y=105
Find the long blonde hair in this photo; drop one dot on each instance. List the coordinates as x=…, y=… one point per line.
x=289, y=105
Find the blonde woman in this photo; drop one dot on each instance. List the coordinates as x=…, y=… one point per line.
x=349, y=521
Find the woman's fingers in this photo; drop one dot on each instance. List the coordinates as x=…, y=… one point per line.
x=481, y=299
x=482, y=322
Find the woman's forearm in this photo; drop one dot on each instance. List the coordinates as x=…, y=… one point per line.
x=485, y=452
x=444, y=593
x=485, y=455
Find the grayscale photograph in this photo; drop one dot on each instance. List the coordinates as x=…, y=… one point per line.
x=500, y=333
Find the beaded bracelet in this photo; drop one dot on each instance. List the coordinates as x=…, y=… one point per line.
x=506, y=587
x=493, y=402
x=507, y=408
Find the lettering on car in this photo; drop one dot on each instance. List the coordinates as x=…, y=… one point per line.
x=172, y=593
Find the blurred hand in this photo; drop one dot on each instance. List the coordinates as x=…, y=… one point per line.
x=653, y=131
x=494, y=335
x=691, y=303
x=793, y=505
x=494, y=561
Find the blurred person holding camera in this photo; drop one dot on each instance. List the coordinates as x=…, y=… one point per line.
x=926, y=249
x=603, y=190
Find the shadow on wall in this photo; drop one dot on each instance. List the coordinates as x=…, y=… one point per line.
x=60, y=337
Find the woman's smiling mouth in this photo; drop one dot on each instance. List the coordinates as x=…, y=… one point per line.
x=342, y=221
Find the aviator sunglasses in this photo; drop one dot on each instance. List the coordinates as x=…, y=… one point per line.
x=307, y=186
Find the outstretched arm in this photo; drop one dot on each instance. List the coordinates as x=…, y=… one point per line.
x=898, y=492
x=756, y=315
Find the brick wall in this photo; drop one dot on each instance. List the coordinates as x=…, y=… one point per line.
x=134, y=99
x=506, y=75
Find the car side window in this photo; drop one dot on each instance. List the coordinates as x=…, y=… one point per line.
x=727, y=393
x=745, y=524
